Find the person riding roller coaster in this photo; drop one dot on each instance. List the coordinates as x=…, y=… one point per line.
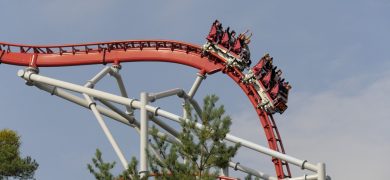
x=214, y=32
x=237, y=45
x=227, y=38
x=271, y=78
x=245, y=53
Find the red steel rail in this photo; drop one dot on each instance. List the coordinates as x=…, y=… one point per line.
x=144, y=50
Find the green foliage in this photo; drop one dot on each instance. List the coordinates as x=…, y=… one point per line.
x=132, y=173
x=11, y=164
x=201, y=152
x=102, y=171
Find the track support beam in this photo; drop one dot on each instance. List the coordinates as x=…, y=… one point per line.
x=144, y=134
x=200, y=77
x=54, y=87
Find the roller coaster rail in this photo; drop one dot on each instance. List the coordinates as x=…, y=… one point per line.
x=104, y=103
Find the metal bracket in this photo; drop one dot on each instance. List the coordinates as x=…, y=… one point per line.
x=235, y=167
x=303, y=164
x=1, y=56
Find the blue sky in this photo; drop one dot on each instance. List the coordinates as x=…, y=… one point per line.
x=335, y=54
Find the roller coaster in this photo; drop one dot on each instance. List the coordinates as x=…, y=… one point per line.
x=209, y=59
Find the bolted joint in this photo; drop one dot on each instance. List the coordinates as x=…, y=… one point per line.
x=202, y=75
x=235, y=166
x=155, y=111
x=26, y=74
x=303, y=164
x=32, y=69
x=53, y=90
x=130, y=113
x=116, y=66
x=131, y=103
x=90, y=104
x=181, y=94
x=90, y=84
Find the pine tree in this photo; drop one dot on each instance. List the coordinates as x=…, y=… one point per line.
x=202, y=152
x=11, y=164
x=102, y=171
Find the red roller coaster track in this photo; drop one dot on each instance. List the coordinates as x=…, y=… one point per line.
x=144, y=50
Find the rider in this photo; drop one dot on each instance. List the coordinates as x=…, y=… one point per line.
x=245, y=53
x=274, y=91
x=258, y=68
x=235, y=44
x=266, y=79
x=232, y=40
x=226, y=38
x=219, y=33
x=213, y=34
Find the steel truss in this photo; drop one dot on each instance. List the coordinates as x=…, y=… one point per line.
x=151, y=113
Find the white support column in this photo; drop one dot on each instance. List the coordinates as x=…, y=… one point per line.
x=91, y=83
x=305, y=177
x=144, y=134
x=115, y=72
x=321, y=171
x=196, y=85
x=172, y=92
x=114, y=144
x=184, y=109
x=92, y=105
x=82, y=102
x=238, y=167
x=224, y=172
x=165, y=126
x=117, y=110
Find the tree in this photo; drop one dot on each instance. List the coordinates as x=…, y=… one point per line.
x=11, y=164
x=199, y=154
x=102, y=171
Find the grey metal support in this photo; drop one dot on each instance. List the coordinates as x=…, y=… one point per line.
x=165, y=126
x=82, y=102
x=91, y=83
x=239, y=167
x=321, y=171
x=115, y=73
x=243, y=142
x=224, y=171
x=196, y=85
x=114, y=144
x=144, y=134
x=54, y=87
x=305, y=177
x=92, y=105
x=117, y=110
x=172, y=92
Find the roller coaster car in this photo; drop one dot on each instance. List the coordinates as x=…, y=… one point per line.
x=271, y=106
x=232, y=59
